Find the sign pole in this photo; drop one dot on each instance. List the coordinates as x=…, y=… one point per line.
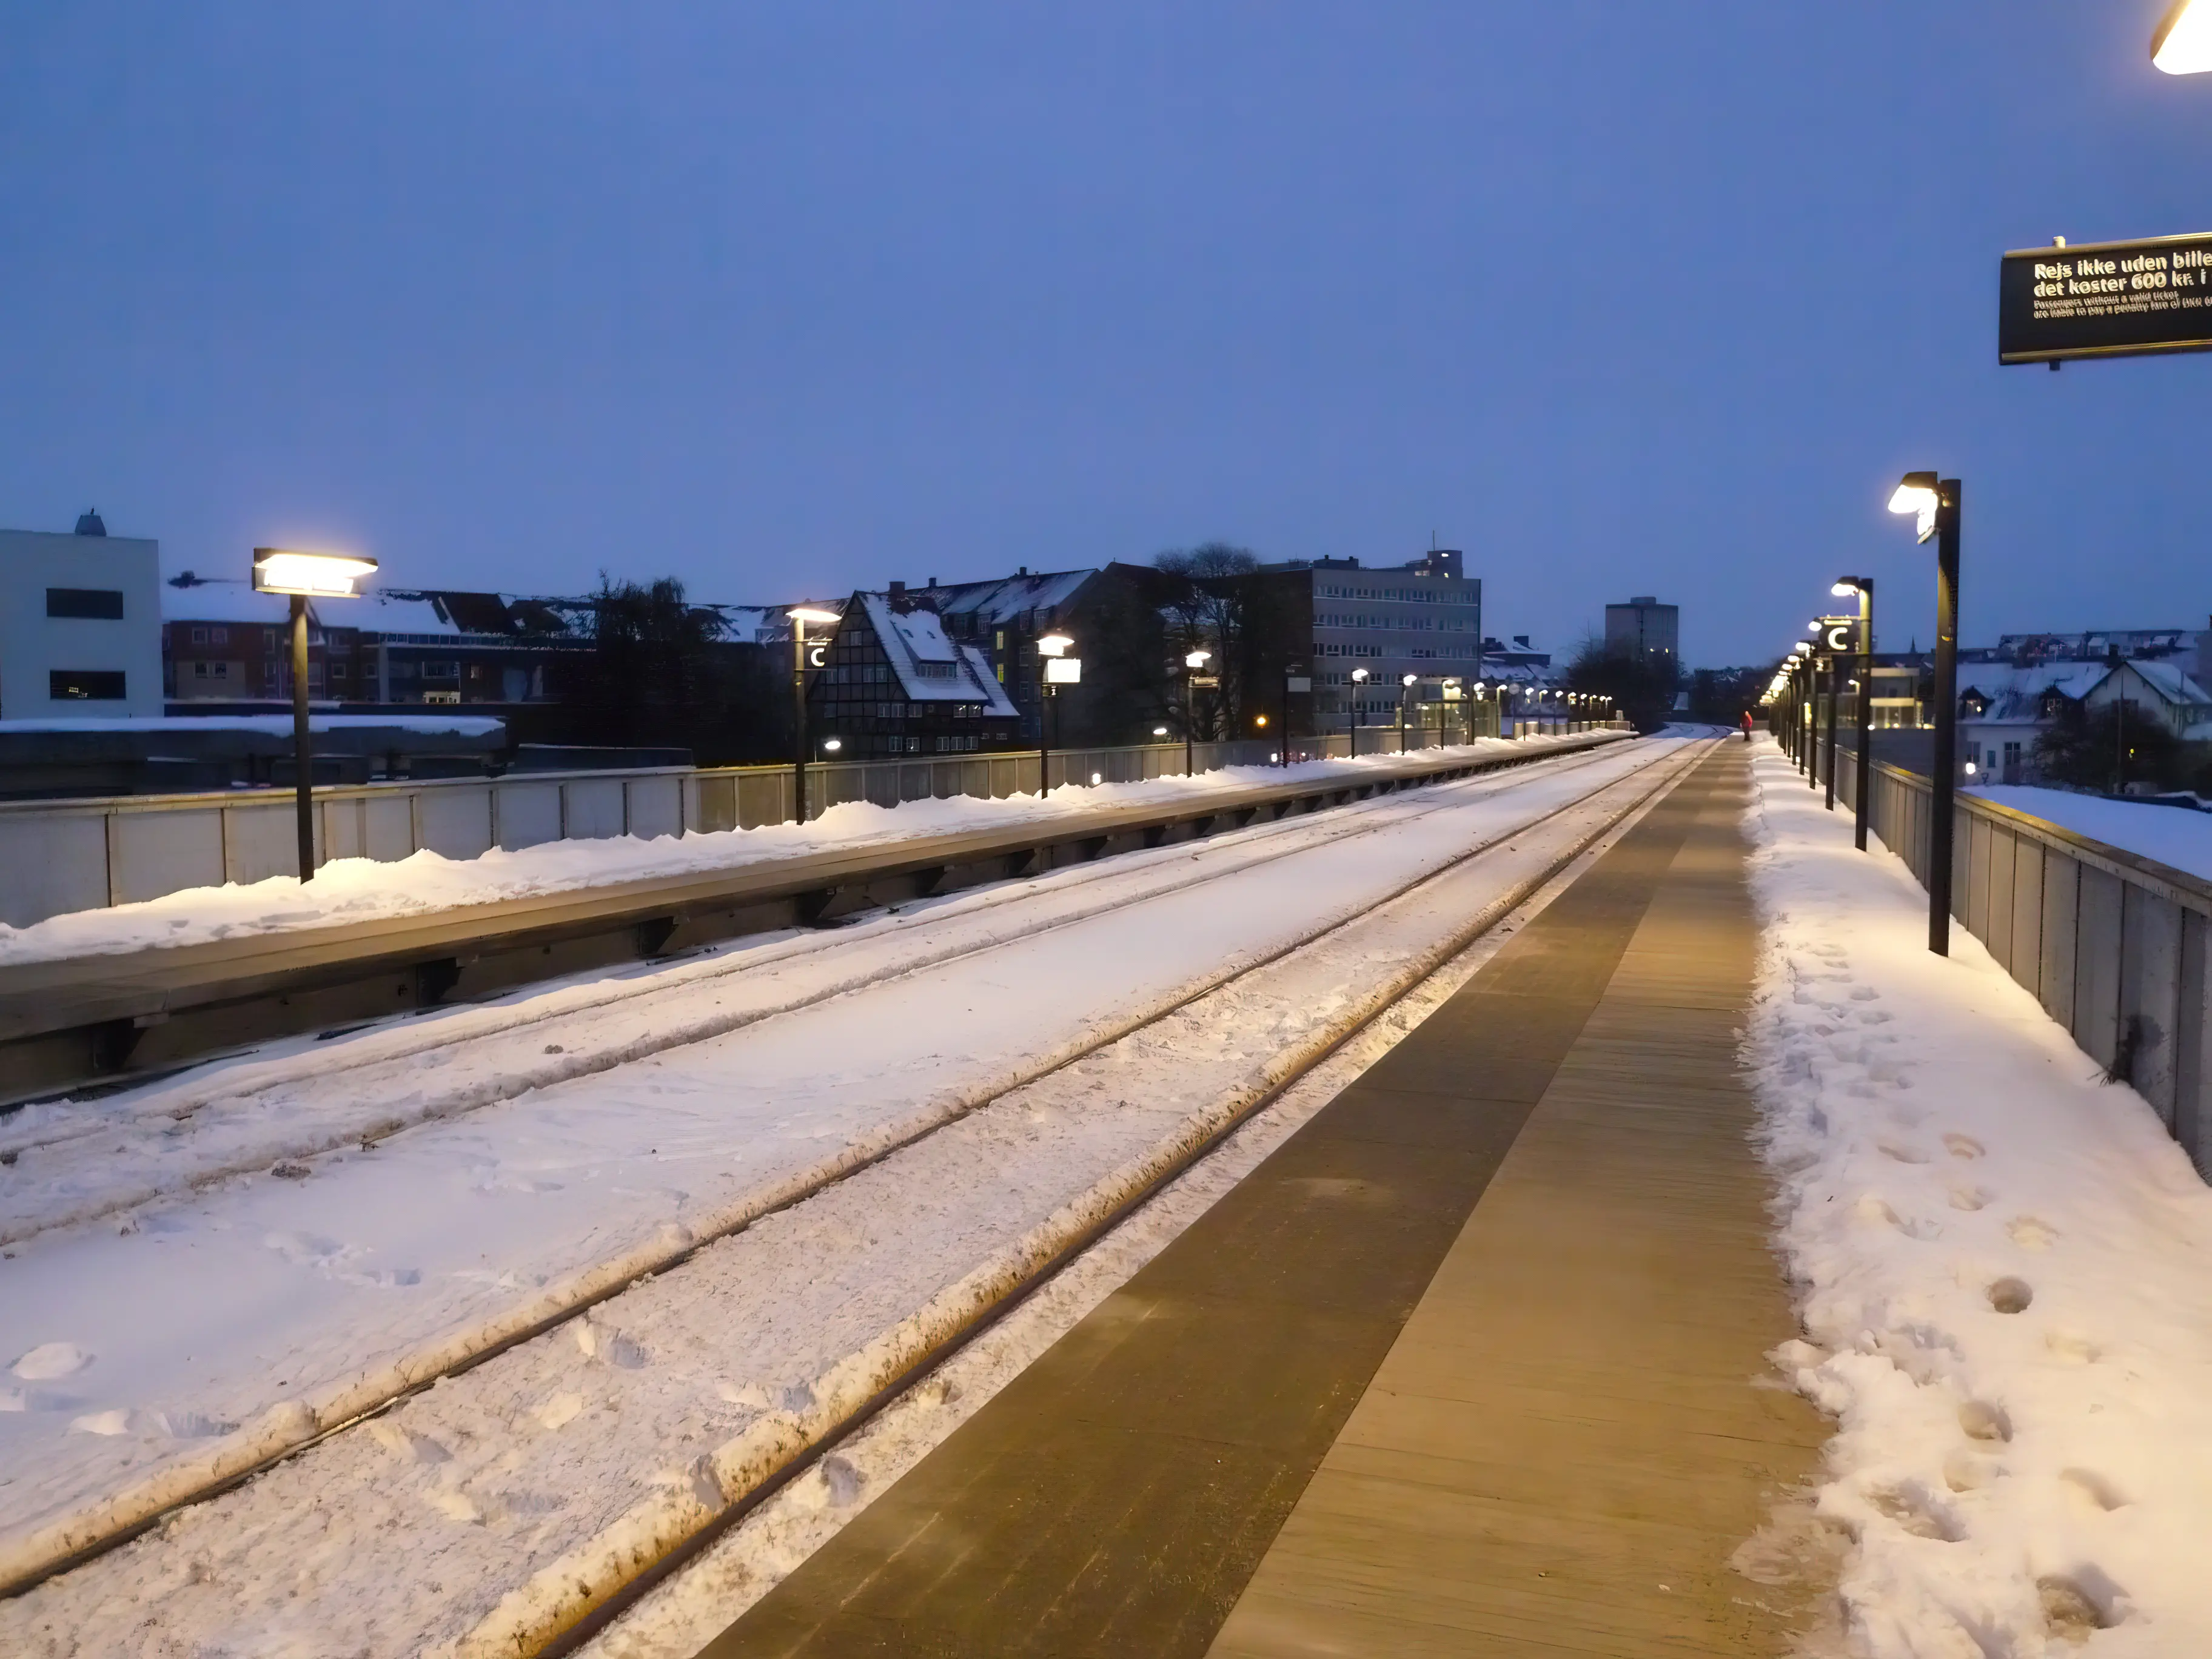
x=1945, y=768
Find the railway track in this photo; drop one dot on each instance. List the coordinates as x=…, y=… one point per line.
x=557, y=1037
x=533, y=1626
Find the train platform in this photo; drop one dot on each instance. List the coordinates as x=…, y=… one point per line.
x=1470, y=1365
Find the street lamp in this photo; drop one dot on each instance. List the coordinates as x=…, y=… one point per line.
x=1193, y=662
x=1060, y=668
x=801, y=615
x=2183, y=44
x=1935, y=504
x=1405, y=692
x=1802, y=655
x=1862, y=764
x=1351, y=713
x=302, y=577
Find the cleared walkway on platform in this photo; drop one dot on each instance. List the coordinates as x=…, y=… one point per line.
x=1466, y=1367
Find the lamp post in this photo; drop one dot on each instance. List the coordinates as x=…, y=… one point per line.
x=1834, y=634
x=1351, y=713
x=2183, y=44
x=1935, y=504
x=1192, y=663
x=1863, y=762
x=302, y=576
x=1803, y=654
x=1060, y=668
x=800, y=616
x=1405, y=693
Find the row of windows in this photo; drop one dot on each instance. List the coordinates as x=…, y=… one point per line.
x=1401, y=624
x=953, y=745
x=1455, y=594
x=839, y=709
x=1424, y=653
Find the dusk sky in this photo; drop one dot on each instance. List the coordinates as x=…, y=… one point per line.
x=785, y=300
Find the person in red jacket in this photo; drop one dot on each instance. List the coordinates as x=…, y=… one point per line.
x=1747, y=725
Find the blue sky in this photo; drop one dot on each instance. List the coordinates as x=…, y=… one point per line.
x=782, y=300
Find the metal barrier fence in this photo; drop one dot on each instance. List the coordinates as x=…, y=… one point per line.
x=58, y=856
x=2111, y=944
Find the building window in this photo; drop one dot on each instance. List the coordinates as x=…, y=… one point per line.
x=442, y=671
x=200, y=636
x=268, y=639
x=92, y=603
x=86, y=685
x=338, y=671
x=199, y=671
x=219, y=636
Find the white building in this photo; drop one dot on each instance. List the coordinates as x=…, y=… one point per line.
x=79, y=625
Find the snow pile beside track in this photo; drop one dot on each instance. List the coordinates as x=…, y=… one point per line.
x=2006, y=1272
x=365, y=889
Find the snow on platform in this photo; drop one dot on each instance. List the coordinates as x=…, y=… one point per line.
x=2006, y=1266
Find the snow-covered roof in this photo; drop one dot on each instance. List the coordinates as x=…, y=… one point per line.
x=995, y=604
x=2013, y=694
x=1995, y=680
x=930, y=667
x=923, y=634
x=397, y=611
x=191, y=599
x=2169, y=681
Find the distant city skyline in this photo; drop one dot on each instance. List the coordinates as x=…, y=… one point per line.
x=801, y=300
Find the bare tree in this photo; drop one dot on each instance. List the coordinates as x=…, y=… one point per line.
x=1210, y=610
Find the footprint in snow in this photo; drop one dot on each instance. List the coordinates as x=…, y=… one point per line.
x=1917, y=1512
x=106, y=1423
x=404, y=1444
x=51, y=1361
x=1980, y=1420
x=1866, y=994
x=2072, y=1346
x=1902, y=1153
x=1970, y=1197
x=1962, y=1146
x=191, y=1425
x=2031, y=1232
x=2071, y=1613
x=2011, y=1296
x=2091, y=1491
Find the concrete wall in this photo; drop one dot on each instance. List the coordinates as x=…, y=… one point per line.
x=34, y=645
x=64, y=855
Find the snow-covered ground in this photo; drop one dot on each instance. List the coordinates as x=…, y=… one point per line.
x=681, y=1615
x=366, y=889
x=218, y=1310
x=2170, y=834
x=2006, y=1268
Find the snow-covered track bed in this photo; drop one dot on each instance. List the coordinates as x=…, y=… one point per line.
x=696, y=1386
x=69, y=1163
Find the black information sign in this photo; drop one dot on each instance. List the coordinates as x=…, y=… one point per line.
x=2106, y=300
